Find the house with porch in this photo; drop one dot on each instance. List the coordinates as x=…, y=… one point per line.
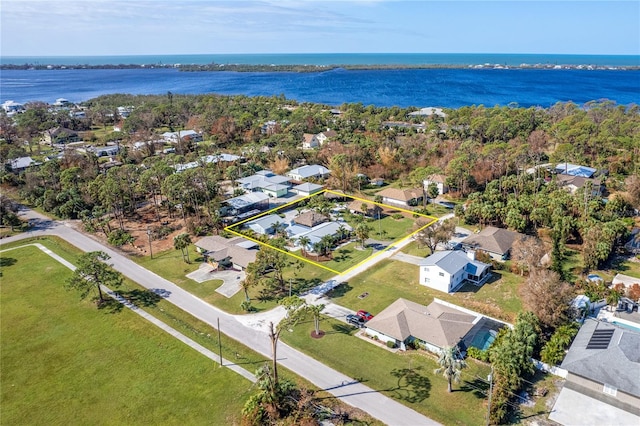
x=267, y=182
x=448, y=270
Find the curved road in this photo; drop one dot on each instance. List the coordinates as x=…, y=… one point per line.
x=348, y=390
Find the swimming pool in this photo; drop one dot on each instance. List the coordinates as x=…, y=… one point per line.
x=483, y=339
x=625, y=325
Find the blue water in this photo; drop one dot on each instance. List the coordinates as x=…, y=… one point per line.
x=483, y=340
x=450, y=88
x=627, y=326
x=334, y=59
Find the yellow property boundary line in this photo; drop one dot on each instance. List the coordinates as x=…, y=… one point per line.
x=228, y=229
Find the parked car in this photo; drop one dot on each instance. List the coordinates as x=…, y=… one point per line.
x=364, y=315
x=355, y=320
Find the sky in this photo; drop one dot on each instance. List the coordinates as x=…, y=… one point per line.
x=157, y=27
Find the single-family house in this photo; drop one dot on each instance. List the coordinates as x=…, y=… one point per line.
x=269, y=128
x=436, y=326
x=572, y=183
x=106, y=151
x=322, y=137
x=309, y=141
x=427, y=112
x=447, y=270
x=253, y=201
x=311, y=171
x=60, y=135
x=377, y=181
x=12, y=108
x=266, y=225
x=306, y=189
x=496, y=242
x=310, y=219
x=439, y=180
x=21, y=163
x=316, y=233
x=575, y=170
x=234, y=252
x=267, y=182
x=174, y=137
x=371, y=210
x=603, y=377
x=401, y=197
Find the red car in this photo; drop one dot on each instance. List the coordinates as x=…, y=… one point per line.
x=364, y=315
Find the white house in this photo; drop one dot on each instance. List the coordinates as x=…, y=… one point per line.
x=266, y=224
x=174, y=137
x=439, y=181
x=322, y=137
x=266, y=181
x=306, y=189
x=448, y=270
x=312, y=171
x=309, y=141
x=401, y=197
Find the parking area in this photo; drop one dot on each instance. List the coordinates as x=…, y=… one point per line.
x=231, y=278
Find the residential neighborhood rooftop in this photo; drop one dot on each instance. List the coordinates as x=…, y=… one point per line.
x=401, y=194
x=492, y=239
x=616, y=362
x=454, y=260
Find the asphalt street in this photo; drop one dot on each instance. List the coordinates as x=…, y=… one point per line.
x=346, y=388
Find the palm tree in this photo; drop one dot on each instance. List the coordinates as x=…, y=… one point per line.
x=248, y=282
x=362, y=233
x=450, y=365
x=315, y=311
x=327, y=242
x=342, y=232
x=304, y=243
x=181, y=242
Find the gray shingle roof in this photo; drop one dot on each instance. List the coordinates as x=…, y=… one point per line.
x=618, y=365
x=453, y=261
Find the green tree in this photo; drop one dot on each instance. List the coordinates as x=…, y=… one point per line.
x=181, y=242
x=315, y=311
x=451, y=365
x=92, y=273
x=303, y=242
x=362, y=233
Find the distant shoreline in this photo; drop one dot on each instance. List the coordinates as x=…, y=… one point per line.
x=213, y=67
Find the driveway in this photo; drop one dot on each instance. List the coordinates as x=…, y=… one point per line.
x=575, y=409
x=230, y=278
x=354, y=393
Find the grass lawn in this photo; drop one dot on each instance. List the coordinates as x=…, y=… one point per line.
x=385, y=229
x=218, y=393
x=65, y=361
x=414, y=249
x=389, y=280
x=347, y=256
x=407, y=377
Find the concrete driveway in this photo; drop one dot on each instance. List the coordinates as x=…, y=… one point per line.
x=575, y=409
x=231, y=279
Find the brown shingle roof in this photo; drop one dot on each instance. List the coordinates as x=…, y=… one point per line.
x=310, y=219
x=401, y=194
x=437, y=324
x=492, y=239
x=220, y=248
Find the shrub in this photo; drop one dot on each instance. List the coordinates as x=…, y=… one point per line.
x=119, y=238
x=391, y=344
x=478, y=354
x=397, y=216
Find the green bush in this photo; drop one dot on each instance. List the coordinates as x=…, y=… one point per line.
x=119, y=238
x=397, y=216
x=478, y=354
x=391, y=344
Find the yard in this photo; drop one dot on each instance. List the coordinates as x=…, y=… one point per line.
x=407, y=377
x=65, y=361
x=389, y=280
x=121, y=364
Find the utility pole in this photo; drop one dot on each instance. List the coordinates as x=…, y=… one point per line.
x=219, y=342
x=150, y=248
x=490, y=392
x=289, y=287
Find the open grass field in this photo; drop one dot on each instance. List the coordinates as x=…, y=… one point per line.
x=414, y=249
x=407, y=377
x=390, y=280
x=64, y=361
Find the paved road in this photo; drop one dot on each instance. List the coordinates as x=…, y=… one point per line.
x=350, y=391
